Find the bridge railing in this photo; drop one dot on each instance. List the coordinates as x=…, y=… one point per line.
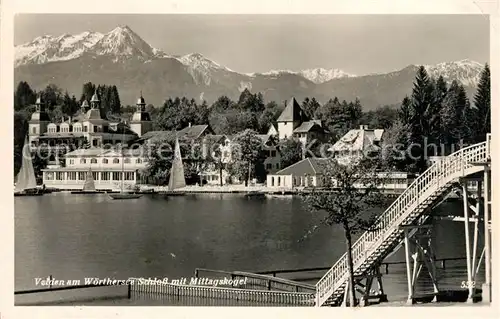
x=420, y=189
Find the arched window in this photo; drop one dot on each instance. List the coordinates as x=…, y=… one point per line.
x=93, y=161
x=138, y=161
x=82, y=161
x=105, y=161
x=116, y=161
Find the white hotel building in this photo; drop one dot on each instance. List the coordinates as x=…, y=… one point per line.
x=106, y=166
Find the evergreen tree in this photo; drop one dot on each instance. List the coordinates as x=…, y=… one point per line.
x=405, y=112
x=482, y=102
x=453, y=123
x=421, y=99
x=67, y=107
x=222, y=104
x=23, y=96
x=52, y=96
x=115, y=103
x=87, y=92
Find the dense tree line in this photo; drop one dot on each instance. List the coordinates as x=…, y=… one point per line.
x=437, y=116
x=439, y=120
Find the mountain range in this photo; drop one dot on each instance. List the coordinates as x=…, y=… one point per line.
x=123, y=58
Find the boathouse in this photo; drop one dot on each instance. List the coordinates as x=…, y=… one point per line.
x=305, y=173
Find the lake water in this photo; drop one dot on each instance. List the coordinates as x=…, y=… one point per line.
x=77, y=236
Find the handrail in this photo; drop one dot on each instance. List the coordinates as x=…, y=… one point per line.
x=258, y=276
x=435, y=177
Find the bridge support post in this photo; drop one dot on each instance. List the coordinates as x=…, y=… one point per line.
x=486, y=288
x=470, y=284
x=418, y=248
x=367, y=293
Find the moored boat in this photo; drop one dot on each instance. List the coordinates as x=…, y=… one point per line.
x=26, y=179
x=177, y=179
x=88, y=185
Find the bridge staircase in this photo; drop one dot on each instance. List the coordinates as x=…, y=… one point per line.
x=409, y=208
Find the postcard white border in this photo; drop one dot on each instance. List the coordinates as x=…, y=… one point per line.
x=10, y=7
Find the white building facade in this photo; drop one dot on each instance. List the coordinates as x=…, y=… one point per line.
x=106, y=166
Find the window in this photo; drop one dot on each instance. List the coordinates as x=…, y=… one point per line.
x=85, y=128
x=116, y=161
x=138, y=161
x=72, y=176
x=82, y=176
x=71, y=161
x=49, y=176
x=129, y=176
x=95, y=143
x=279, y=181
x=273, y=153
x=95, y=176
x=105, y=176
x=105, y=161
x=127, y=161
x=60, y=176
x=83, y=161
x=116, y=176
x=93, y=161
x=277, y=165
x=269, y=166
x=272, y=181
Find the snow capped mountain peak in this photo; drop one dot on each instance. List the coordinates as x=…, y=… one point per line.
x=123, y=42
x=201, y=68
x=197, y=60
x=317, y=75
x=120, y=42
x=466, y=72
x=320, y=75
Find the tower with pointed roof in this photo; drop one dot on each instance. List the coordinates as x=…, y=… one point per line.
x=85, y=106
x=291, y=117
x=38, y=122
x=141, y=120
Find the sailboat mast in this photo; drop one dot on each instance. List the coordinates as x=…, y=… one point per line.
x=123, y=173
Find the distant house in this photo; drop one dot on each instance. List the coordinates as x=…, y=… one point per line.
x=305, y=173
x=189, y=133
x=271, y=161
x=357, y=143
x=272, y=131
x=309, y=172
x=293, y=122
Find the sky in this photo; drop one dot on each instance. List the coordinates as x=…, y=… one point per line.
x=357, y=44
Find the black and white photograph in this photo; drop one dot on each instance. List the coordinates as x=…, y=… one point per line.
x=252, y=160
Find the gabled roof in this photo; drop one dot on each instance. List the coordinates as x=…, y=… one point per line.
x=158, y=135
x=358, y=140
x=308, y=126
x=214, y=138
x=272, y=130
x=292, y=112
x=194, y=131
x=309, y=166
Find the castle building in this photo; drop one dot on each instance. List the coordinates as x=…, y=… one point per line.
x=141, y=121
x=86, y=127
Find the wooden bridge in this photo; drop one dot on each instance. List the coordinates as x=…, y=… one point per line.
x=405, y=218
